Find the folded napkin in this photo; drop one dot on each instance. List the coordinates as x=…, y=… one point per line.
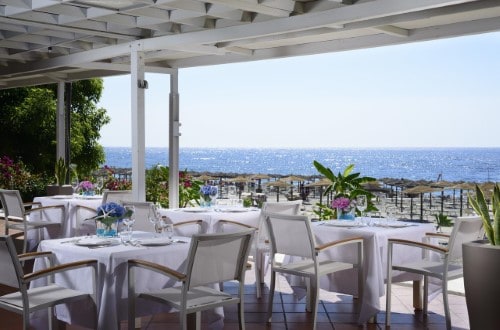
x=155, y=241
x=96, y=241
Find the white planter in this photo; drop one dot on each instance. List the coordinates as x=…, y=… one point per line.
x=482, y=284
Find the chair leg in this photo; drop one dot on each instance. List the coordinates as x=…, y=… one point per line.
x=426, y=295
x=241, y=317
x=314, y=289
x=388, y=291
x=308, y=294
x=446, y=305
x=257, y=276
x=271, y=296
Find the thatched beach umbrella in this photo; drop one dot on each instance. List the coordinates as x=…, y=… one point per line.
x=443, y=185
x=259, y=178
x=204, y=177
x=291, y=179
x=278, y=184
x=320, y=183
x=421, y=190
x=464, y=186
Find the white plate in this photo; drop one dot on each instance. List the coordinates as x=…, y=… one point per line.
x=234, y=210
x=62, y=196
x=157, y=241
x=394, y=225
x=96, y=241
x=89, y=197
x=343, y=223
x=194, y=209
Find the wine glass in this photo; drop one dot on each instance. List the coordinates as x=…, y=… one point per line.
x=361, y=203
x=99, y=184
x=74, y=184
x=155, y=218
x=130, y=219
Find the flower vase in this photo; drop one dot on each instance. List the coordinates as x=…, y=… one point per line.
x=205, y=201
x=343, y=214
x=88, y=193
x=104, y=230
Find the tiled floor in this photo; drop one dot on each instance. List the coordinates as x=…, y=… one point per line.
x=335, y=312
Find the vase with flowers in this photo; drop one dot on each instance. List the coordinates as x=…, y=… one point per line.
x=109, y=215
x=208, y=195
x=344, y=208
x=86, y=188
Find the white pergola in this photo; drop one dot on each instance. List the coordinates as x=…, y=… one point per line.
x=59, y=41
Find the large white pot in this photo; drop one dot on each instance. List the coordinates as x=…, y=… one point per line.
x=482, y=284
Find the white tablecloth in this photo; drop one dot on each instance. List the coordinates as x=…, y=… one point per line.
x=113, y=278
x=210, y=216
x=375, y=260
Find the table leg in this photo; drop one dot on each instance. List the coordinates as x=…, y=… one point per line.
x=417, y=295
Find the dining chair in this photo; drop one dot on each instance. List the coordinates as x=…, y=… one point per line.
x=17, y=215
x=261, y=244
x=292, y=236
x=141, y=214
x=25, y=300
x=212, y=258
x=441, y=261
x=117, y=196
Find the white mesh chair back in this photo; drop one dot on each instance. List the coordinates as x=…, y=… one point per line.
x=142, y=210
x=11, y=269
x=291, y=208
x=216, y=258
x=465, y=229
x=291, y=235
x=189, y=228
x=84, y=226
x=117, y=196
x=12, y=203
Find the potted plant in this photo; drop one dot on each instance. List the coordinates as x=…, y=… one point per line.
x=347, y=185
x=482, y=265
x=442, y=222
x=60, y=173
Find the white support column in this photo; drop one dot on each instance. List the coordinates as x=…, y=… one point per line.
x=137, y=85
x=60, y=122
x=173, y=149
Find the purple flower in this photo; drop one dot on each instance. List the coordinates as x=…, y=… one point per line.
x=86, y=185
x=342, y=203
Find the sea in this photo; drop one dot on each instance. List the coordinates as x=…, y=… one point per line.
x=450, y=164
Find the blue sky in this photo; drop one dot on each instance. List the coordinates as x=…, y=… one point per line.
x=442, y=93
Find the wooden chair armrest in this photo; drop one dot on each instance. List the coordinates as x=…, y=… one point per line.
x=34, y=255
x=60, y=268
x=43, y=208
x=424, y=246
x=28, y=204
x=341, y=242
x=223, y=221
x=16, y=235
x=156, y=268
x=441, y=235
x=86, y=208
x=189, y=222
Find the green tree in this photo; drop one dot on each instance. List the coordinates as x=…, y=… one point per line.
x=28, y=117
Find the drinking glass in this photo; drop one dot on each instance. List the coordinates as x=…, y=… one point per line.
x=99, y=185
x=74, y=184
x=169, y=229
x=361, y=203
x=130, y=220
x=155, y=218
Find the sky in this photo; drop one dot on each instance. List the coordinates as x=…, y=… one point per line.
x=441, y=93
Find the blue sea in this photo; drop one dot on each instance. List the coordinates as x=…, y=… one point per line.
x=451, y=164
